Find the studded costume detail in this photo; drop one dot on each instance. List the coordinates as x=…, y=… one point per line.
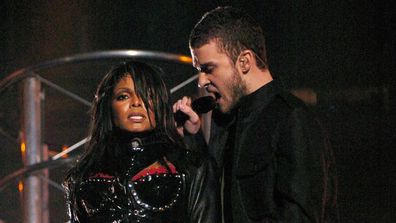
x=153, y=187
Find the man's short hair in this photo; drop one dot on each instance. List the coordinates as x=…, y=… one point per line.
x=234, y=31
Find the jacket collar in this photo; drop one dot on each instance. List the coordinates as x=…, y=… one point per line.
x=140, y=139
x=255, y=101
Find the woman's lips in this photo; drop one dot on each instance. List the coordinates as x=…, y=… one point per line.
x=137, y=117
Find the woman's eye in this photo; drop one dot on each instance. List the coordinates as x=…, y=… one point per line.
x=122, y=97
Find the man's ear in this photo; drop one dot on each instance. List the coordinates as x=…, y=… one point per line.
x=245, y=61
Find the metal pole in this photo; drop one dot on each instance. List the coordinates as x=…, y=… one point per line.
x=45, y=189
x=31, y=122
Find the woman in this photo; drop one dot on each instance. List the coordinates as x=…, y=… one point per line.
x=136, y=167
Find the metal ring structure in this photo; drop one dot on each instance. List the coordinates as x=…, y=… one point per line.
x=92, y=56
x=20, y=74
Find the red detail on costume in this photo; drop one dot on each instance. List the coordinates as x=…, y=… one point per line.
x=152, y=170
x=102, y=175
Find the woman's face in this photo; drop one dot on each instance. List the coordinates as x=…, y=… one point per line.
x=129, y=111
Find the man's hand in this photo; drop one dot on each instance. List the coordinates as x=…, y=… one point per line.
x=193, y=124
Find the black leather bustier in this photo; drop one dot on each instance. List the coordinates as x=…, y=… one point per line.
x=164, y=193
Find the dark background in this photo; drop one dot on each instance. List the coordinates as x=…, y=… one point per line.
x=342, y=50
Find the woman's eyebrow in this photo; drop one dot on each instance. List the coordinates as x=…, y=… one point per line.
x=123, y=89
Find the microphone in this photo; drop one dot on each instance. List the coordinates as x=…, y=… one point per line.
x=200, y=106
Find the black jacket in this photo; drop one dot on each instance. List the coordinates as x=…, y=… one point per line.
x=188, y=195
x=281, y=166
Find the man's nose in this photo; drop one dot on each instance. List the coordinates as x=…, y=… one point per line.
x=203, y=81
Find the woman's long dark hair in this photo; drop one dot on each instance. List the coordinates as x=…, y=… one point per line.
x=150, y=87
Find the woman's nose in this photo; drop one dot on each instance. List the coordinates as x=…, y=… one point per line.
x=135, y=101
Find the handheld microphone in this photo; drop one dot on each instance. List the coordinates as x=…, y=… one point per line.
x=200, y=106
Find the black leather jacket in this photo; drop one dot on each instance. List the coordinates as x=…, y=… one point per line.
x=184, y=190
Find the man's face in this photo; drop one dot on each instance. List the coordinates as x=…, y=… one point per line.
x=218, y=74
x=129, y=111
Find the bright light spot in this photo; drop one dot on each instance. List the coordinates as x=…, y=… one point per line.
x=20, y=186
x=64, y=147
x=185, y=59
x=23, y=148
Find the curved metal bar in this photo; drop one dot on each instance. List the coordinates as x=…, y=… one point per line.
x=32, y=168
x=64, y=91
x=98, y=55
x=70, y=149
x=51, y=182
x=184, y=83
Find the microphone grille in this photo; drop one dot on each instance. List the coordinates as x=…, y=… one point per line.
x=203, y=104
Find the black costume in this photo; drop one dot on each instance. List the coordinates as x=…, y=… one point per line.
x=276, y=163
x=181, y=190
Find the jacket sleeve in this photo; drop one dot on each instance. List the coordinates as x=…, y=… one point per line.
x=303, y=185
x=195, y=142
x=204, y=194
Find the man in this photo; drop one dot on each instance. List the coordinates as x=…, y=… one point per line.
x=273, y=156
